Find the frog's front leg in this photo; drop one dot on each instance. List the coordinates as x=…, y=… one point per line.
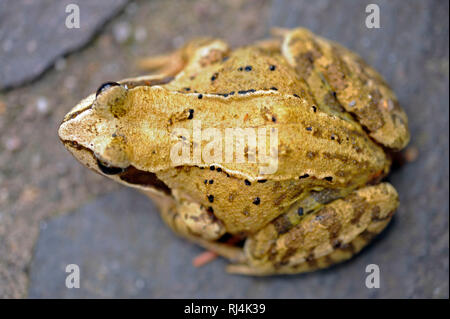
x=331, y=235
x=194, y=222
x=194, y=55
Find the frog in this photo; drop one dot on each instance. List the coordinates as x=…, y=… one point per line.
x=338, y=124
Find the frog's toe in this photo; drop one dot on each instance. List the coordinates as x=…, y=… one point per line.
x=243, y=269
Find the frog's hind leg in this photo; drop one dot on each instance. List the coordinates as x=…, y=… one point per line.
x=329, y=236
x=200, y=51
x=350, y=84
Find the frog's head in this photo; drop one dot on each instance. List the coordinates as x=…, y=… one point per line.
x=101, y=134
x=89, y=130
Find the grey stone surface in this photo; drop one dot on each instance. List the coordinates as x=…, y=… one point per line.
x=124, y=250
x=33, y=34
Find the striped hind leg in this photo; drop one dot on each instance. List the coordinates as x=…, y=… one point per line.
x=328, y=236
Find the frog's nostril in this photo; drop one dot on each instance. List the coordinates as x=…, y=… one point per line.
x=109, y=170
x=105, y=86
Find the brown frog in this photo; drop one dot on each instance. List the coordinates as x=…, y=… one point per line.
x=336, y=122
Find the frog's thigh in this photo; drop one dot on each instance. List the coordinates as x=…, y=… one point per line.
x=331, y=235
x=358, y=88
x=202, y=232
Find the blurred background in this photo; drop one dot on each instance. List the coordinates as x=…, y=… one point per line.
x=54, y=212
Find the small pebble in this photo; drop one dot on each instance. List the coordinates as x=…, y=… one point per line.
x=70, y=82
x=140, y=34
x=13, y=143
x=42, y=105
x=121, y=32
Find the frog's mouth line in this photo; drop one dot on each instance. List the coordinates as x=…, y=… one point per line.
x=130, y=175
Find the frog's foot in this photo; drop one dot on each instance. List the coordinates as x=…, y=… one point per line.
x=166, y=64
x=271, y=45
x=193, y=56
x=227, y=248
x=329, y=236
x=279, y=32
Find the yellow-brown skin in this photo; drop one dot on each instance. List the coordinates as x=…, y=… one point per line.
x=337, y=121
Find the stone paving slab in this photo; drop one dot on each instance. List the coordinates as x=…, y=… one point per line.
x=33, y=34
x=124, y=250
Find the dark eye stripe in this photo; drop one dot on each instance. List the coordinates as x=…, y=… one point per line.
x=109, y=170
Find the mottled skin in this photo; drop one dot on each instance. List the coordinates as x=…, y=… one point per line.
x=337, y=122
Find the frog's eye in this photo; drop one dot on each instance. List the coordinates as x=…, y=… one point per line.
x=109, y=170
x=110, y=99
x=105, y=86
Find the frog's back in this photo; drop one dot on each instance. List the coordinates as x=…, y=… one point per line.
x=246, y=69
